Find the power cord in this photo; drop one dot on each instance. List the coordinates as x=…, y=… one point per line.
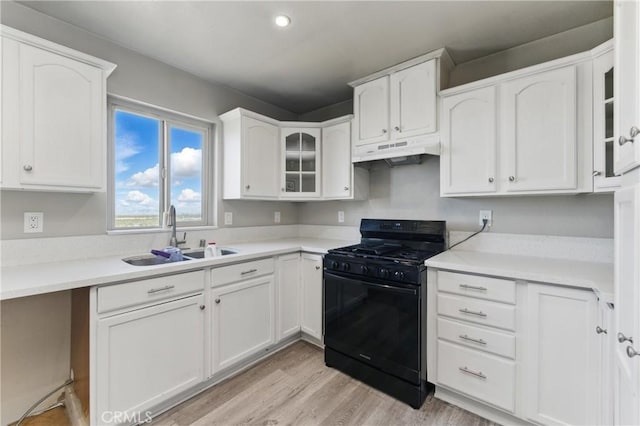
x=484, y=225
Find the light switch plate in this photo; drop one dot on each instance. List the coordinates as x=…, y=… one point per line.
x=228, y=218
x=33, y=222
x=276, y=217
x=340, y=216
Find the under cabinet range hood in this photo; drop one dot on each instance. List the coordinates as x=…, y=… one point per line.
x=429, y=144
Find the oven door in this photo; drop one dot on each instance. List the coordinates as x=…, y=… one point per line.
x=374, y=322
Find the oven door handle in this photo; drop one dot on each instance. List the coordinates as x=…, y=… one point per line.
x=384, y=287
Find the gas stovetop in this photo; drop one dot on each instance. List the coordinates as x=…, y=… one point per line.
x=389, y=252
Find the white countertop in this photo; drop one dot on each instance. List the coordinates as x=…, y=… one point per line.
x=597, y=276
x=33, y=279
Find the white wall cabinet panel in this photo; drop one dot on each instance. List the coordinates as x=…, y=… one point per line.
x=627, y=85
x=413, y=100
x=243, y=320
x=627, y=305
x=54, y=128
x=371, y=111
x=469, y=142
x=146, y=356
x=260, y=154
x=289, y=292
x=312, y=295
x=538, y=141
x=561, y=360
x=337, y=167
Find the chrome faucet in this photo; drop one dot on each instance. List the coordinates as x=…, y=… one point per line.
x=173, y=241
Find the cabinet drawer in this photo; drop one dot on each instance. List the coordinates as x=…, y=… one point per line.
x=476, y=286
x=477, y=374
x=241, y=271
x=471, y=336
x=155, y=289
x=478, y=311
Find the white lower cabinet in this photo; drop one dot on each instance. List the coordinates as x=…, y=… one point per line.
x=243, y=320
x=288, y=291
x=147, y=356
x=606, y=342
x=312, y=295
x=515, y=351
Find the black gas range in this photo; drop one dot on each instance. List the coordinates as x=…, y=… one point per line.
x=374, y=305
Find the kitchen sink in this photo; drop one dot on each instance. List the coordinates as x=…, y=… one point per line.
x=199, y=254
x=148, y=260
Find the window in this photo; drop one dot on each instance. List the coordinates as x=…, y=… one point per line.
x=157, y=159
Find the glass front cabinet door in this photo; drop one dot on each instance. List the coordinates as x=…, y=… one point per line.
x=604, y=178
x=301, y=161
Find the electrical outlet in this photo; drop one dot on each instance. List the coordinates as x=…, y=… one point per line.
x=486, y=214
x=341, y=217
x=276, y=217
x=33, y=222
x=228, y=218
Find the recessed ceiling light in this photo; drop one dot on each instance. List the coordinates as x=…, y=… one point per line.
x=283, y=20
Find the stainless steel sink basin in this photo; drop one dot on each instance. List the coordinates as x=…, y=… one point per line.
x=148, y=260
x=199, y=254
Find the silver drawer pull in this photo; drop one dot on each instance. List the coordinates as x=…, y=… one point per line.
x=466, y=311
x=471, y=339
x=473, y=373
x=250, y=271
x=472, y=287
x=156, y=290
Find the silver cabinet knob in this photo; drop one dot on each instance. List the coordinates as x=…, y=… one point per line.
x=317, y=267
x=27, y=168
x=631, y=352
x=623, y=140
x=202, y=307
x=512, y=178
x=634, y=131
x=217, y=301
x=384, y=131
x=247, y=187
x=396, y=128
x=490, y=180
x=346, y=188
x=282, y=189
x=622, y=338
x=600, y=330
x=596, y=173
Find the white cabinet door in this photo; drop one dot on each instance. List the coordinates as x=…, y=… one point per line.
x=243, y=320
x=561, y=358
x=147, y=356
x=260, y=159
x=336, y=161
x=468, y=159
x=312, y=295
x=538, y=142
x=627, y=305
x=288, y=290
x=300, y=162
x=626, y=16
x=61, y=106
x=606, y=337
x=371, y=111
x=413, y=100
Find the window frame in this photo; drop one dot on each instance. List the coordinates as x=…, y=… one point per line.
x=167, y=119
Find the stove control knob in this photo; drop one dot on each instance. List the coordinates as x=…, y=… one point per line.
x=399, y=275
x=384, y=273
x=364, y=269
x=346, y=266
x=334, y=264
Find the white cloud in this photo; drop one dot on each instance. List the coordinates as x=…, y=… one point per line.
x=138, y=198
x=186, y=163
x=136, y=203
x=126, y=147
x=189, y=196
x=145, y=179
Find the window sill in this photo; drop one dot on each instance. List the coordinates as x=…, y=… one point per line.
x=160, y=230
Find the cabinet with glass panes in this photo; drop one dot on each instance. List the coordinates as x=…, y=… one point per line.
x=604, y=178
x=301, y=156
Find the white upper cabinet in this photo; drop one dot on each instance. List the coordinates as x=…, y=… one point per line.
x=525, y=132
x=538, y=131
x=54, y=116
x=371, y=110
x=251, y=156
x=301, y=162
x=413, y=100
x=468, y=161
x=626, y=85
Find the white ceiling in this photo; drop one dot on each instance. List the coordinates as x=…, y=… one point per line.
x=329, y=43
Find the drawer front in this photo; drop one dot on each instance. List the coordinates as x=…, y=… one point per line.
x=477, y=311
x=476, y=286
x=155, y=289
x=471, y=336
x=477, y=374
x=241, y=271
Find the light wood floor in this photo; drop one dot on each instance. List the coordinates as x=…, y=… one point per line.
x=294, y=387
